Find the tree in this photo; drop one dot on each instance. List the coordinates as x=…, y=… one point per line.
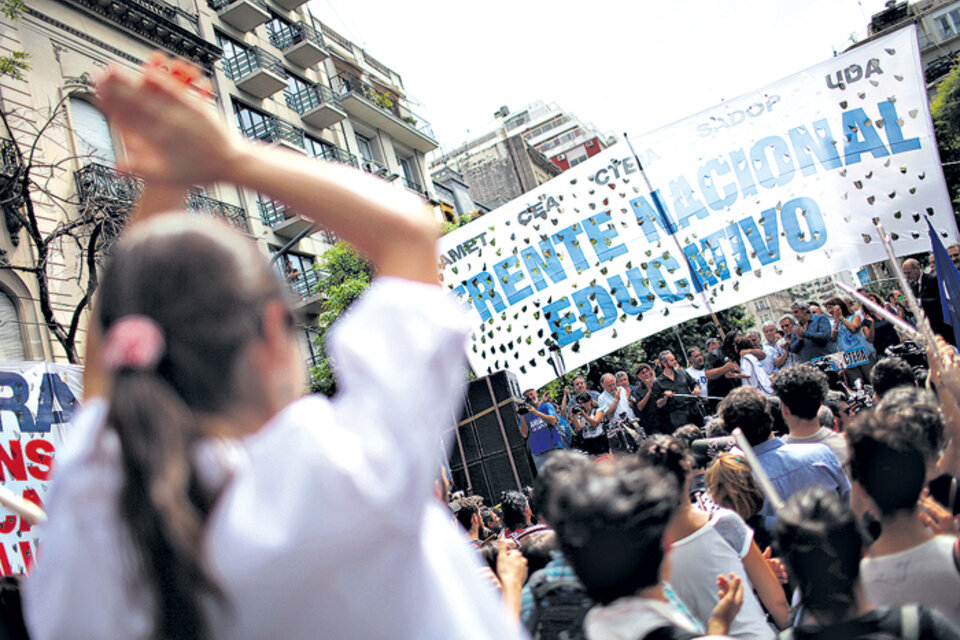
x=945, y=110
x=86, y=221
x=18, y=61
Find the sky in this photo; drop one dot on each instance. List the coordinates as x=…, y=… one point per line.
x=623, y=66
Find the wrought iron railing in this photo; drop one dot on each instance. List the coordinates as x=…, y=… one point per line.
x=230, y=213
x=286, y=34
x=305, y=283
x=346, y=83
x=310, y=98
x=336, y=37
x=271, y=129
x=273, y=212
x=9, y=159
x=247, y=61
x=100, y=185
x=410, y=184
x=221, y=4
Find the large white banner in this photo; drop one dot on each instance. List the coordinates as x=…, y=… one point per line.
x=769, y=190
x=37, y=401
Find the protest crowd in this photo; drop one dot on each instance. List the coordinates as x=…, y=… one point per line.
x=193, y=503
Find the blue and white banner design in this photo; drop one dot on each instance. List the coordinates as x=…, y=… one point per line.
x=769, y=190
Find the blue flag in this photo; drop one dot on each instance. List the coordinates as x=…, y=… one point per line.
x=948, y=280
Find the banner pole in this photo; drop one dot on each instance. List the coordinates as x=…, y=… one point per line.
x=669, y=227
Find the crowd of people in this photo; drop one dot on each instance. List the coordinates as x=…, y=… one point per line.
x=200, y=496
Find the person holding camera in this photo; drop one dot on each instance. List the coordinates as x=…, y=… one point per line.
x=539, y=425
x=588, y=421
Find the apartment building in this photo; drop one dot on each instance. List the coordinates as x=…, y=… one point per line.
x=279, y=76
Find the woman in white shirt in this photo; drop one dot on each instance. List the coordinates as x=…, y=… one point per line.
x=202, y=497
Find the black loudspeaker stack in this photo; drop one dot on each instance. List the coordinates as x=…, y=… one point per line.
x=489, y=455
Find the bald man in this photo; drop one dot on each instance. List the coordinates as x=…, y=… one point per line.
x=927, y=291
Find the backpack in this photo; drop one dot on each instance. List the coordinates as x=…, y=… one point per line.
x=909, y=627
x=559, y=608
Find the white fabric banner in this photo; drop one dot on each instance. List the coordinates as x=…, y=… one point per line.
x=766, y=191
x=37, y=401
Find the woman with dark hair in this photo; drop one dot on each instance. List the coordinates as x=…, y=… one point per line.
x=819, y=538
x=201, y=496
x=847, y=334
x=707, y=544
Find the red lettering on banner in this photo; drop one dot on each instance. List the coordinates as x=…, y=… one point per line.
x=31, y=495
x=40, y=453
x=26, y=551
x=8, y=524
x=4, y=562
x=13, y=461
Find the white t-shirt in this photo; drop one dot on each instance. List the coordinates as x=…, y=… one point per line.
x=632, y=618
x=925, y=575
x=700, y=377
x=717, y=548
x=623, y=403
x=327, y=525
x=750, y=366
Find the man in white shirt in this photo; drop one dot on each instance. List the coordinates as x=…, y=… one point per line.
x=802, y=389
x=697, y=369
x=614, y=400
x=777, y=354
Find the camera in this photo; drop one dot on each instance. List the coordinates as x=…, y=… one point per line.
x=524, y=407
x=576, y=410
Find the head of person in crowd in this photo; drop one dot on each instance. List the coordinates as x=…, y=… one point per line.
x=728, y=348
x=839, y=303
x=754, y=337
x=489, y=551
x=623, y=380
x=815, y=308
x=746, y=408
x=490, y=520
x=917, y=411
x=840, y=408
x=787, y=323
x=579, y=384
x=686, y=434
x=585, y=400
x=468, y=515
x=954, y=252
x=538, y=548
x=645, y=374
x=800, y=312
x=715, y=427
x=889, y=373
x=912, y=270
x=826, y=418
x=555, y=471
x=887, y=462
x=801, y=389
x=776, y=413
x=769, y=330
x=667, y=360
x=731, y=485
x=516, y=510
x=744, y=343
x=712, y=344
x=669, y=455
x=819, y=538
x=695, y=356
x=612, y=526
x=608, y=382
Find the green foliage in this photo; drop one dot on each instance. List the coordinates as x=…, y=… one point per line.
x=447, y=226
x=346, y=276
x=945, y=110
x=18, y=61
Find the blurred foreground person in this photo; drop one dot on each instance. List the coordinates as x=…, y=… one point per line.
x=201, y=496
x=818, y=536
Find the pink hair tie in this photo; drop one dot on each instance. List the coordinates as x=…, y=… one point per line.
x=133, y=342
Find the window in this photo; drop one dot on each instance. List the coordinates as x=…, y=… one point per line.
x=319, y=149
x=255, y=124
x=94, y=142
x=295, y=85
x=11, y=340
x=366, y=149
x=231, y=48
x=948, y=23
x=409, y=170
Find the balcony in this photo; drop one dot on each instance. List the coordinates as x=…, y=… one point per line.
x=288, y=5
x=242, y=15
x=317, y=105
x=336, y=154
x=256, y=72
x=413, y=186
x=300, y=43
x=9, y=162
x=305, y=285
x=275, y=130
x=384, y=111
x=103, y=187
x=285, y=222
x=231, y=214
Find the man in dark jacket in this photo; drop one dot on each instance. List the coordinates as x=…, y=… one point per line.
x=927, y=291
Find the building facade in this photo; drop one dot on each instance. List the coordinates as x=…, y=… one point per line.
x=279, y=76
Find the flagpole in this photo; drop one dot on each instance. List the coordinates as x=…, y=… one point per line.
x=669, y=228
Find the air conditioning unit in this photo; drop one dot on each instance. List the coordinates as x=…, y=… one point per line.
x=562, y=156
x=370, y=167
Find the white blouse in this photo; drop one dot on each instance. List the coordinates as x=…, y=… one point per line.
x=327, y=528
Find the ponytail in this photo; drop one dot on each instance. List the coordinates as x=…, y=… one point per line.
x=157, y=432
